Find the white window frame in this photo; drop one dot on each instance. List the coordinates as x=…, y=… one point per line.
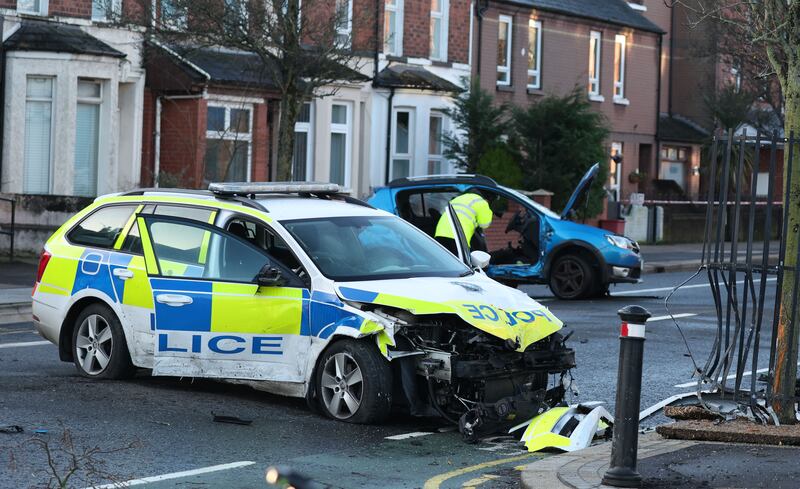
x=99, y=102
x=395, y=46
x=596, y=64
x=308, y=128
x=506, y=69
x=116, y=9
x=619, y=69
x=410, y=154
x=616, y=188
x=228, y=135
x=436, y=114
x=536, y=72
x=345, y=30
x=444, y=19
x=43, y=8
x=347, y=130
x=52, y=101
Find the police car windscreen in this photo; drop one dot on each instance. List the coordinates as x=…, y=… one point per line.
x=373, y=248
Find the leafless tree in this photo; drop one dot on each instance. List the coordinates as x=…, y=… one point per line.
x=306, y=48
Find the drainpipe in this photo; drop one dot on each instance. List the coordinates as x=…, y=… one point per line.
x=658, y=101
x=377, y=36
x=479, y=11
x=389, y=134
x=157, y=146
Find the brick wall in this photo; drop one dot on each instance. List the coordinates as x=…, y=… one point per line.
x=183, y=125
x=260, y=152
x=148, y=138
x=71, y=8
x=416, y=28
x=458, y=36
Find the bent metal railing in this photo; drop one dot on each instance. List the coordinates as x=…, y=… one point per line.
x=746, y=281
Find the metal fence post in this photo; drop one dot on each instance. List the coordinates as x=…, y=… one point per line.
x=622, y=471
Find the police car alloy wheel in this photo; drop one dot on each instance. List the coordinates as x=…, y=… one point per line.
x=98, y=345
x=354, y=382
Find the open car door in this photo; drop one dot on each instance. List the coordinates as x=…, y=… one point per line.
x=460, y=237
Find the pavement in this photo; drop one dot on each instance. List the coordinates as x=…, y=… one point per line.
x=673, y=463
x=661, y=258
x=16, y=281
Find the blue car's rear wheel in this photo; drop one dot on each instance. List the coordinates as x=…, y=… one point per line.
x=571, y=277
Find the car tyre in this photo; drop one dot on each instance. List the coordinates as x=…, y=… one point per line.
x=99, y=349
x=354, y=382
x=571, y=277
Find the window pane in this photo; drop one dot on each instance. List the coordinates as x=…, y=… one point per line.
x=339, y=114
x=305, y=113
x=226, y=161
x=532, y=46
x=88, y=89
x=240, y=120
x=436, y=37
x=216, y=119
x=401, y=168
x=102, y=227
x=502, y=44
x=436, y=6
x=389, y=31
x=435, y=136
x=38, y=120
x=29, y=6
x=300, y=156
x=338, y=157
x=434, y=167
x=402, y=132
x=183, y=250
x=99, y=9
x=39, y=88
x=87, y=128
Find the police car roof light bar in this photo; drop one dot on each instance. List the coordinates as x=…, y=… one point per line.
x=255, y=188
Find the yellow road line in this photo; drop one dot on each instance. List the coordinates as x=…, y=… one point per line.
x=472, y=484
x=436, y=481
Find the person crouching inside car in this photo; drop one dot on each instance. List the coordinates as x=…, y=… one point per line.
x=474, y=213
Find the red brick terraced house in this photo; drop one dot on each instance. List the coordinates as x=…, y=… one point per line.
x=524, y=49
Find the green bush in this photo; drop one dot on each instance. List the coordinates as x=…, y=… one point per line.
x=502, y=165
x=559, y=138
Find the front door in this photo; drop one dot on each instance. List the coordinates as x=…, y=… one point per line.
x=211, y=317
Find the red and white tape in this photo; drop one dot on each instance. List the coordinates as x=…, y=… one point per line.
x=632, y=330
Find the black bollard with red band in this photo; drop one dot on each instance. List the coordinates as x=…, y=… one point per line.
x=622, y=471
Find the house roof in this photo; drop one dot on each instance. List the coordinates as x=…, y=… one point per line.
x=57, y=38
x=224, y=66
x=409, y=76
x=610, y=11
x=678, y=129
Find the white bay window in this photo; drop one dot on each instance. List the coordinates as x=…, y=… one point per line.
x=402, y=143
x=87, y=137
x=341, y=129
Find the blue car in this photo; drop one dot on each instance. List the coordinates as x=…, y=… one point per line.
x=577, y=261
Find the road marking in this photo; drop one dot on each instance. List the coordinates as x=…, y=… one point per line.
x=472, y=484
x=730, y=377
x=25, y=343
x=665, y=289
x=436, y=481
x=676, y=316
x=405, y=436
x=173, y=475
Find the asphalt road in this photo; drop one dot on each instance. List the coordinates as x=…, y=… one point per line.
x=155, y=427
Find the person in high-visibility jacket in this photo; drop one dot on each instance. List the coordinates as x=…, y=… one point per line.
x=473, y=212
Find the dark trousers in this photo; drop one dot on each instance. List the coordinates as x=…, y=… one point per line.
x=448, y=243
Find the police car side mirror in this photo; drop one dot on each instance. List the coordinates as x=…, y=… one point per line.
x=480, y=258
x=270, y=277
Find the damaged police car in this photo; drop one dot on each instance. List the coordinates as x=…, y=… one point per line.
x=298, y=290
